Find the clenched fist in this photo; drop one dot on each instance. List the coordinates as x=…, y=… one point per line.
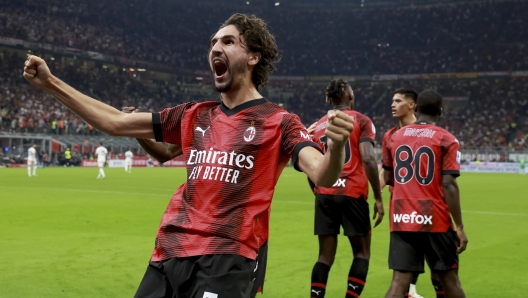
x=37, y=72
x=339, y=126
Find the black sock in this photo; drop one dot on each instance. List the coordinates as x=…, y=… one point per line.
x=414, y=279
x=357, y=276
x=439, y=289
x=319, y=279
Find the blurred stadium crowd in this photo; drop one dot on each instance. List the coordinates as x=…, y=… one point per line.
x=463, y=37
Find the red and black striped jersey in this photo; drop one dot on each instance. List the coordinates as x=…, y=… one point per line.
x=386, y=138
x=419, y=155
x=234, y=158
x=353, y=180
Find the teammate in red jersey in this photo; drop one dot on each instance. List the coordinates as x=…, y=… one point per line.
x=403, y=108
x=345, y=203
x=210, y=233
x=422, y=163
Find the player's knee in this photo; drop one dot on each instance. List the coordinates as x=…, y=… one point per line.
x=327, y=259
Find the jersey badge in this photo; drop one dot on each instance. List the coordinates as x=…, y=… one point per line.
x=250, y=133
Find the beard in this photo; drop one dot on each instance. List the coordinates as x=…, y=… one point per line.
x=239, y=67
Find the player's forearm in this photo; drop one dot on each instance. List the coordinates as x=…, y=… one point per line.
x=371, y=168
x=388, y=176
x=157, y=150
x=101, y=116
x=452, y=197
x=382, y=179
x=330, y=167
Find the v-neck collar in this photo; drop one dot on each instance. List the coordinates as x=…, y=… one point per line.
x=241, y=107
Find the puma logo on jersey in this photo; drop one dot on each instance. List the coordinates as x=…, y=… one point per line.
x=414, y=218
x=305, y=135
x=339, y=183
x=202, y=131
x=316, y=292
x=352, y=286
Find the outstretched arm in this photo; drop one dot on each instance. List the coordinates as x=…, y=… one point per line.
x=324, y=170
x=101, y=116
x=366, y=150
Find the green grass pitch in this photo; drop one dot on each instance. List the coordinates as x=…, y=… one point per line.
x=66, y=234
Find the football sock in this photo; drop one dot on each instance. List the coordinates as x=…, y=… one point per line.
x=34, y=170
x=319, y=279
x=439, y=289
x=357, y=277
x=414, y=279
x=29, y=171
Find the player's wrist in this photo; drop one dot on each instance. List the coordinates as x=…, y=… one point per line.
x=460, y=227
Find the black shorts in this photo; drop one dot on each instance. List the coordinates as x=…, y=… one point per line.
x=260, y=271
x=331, y=212
x=407, y=251
x=208, y=276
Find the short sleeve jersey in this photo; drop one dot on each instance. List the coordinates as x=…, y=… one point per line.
x=419, y=155
x=353, y=180
x=32, y=153
x=384, y=149
x=129, y=155
x=234, y=158
x=101, y=153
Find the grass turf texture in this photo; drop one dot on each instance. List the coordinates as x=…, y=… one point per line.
x=66, y=234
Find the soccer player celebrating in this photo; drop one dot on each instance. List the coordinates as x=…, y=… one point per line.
x=422, y=162
x=345, y=203
x=209, y=236
x=101, y=153
x=164, y=152
x=128, y=161
x=32, y=160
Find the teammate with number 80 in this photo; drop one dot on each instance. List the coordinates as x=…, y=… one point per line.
x=422, y=162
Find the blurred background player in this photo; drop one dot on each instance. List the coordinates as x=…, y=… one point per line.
x=101, y=153
x=32, y=161
x=422, y=162
x=522, y=164
x=345, y=204
x=128, y=161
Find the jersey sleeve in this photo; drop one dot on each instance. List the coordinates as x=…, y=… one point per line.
x=450, y=155
x=368, y=130
x=167, y=123
x=295, y=137
x=386, y=156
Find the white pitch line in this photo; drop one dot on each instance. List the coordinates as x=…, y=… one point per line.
x=278, y=201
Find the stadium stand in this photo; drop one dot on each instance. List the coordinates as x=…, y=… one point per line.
x=482, y=71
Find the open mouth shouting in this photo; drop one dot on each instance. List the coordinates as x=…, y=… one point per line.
x=220, y=68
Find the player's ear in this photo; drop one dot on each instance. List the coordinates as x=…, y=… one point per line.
x=254, y=58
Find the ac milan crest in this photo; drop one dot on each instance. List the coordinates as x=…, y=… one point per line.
x=250, y=133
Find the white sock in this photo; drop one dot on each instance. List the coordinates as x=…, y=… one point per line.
x=34, y=170
x=29, y=171
x=412, y=289
x=102, y=172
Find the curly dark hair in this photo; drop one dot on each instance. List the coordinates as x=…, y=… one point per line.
x=258, y=39
x=335, y=91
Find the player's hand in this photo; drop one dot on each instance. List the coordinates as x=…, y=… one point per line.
x=462, y=240
x=130, y=110
x=339, y=126
x=379, y=211
x=311, y=128
x=36, y=71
